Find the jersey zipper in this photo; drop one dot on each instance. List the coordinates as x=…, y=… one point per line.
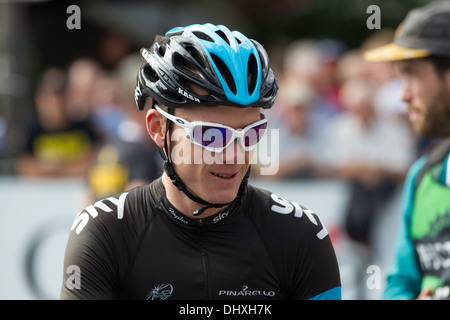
x=204, y=257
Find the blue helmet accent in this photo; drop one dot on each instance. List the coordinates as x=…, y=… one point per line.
x=235, y=50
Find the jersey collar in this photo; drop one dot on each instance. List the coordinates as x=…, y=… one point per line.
x=184, y=220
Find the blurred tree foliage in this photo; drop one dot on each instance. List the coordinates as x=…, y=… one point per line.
x=272, y=22
x=344, y=20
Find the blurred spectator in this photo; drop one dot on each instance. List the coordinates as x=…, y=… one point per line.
x=352, y=65
x=372, y=153
x=388, y=101
x=379, y=72
x=82, y=75
x=56, y=145
x=127, y=157
x=113, y=47
x=107, y=113
x=315, y=63
x=297, y=144
x=385, y=77
x=330, y=51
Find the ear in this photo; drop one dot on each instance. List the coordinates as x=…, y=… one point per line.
x=447, y=78
x=156, y=126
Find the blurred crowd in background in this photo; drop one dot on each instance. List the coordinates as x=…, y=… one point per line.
x=339, y=116
x=86, y=124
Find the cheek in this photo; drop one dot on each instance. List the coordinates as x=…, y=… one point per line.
x=197, y=154
x=438, y=115
x=427, y=90
x=250, y=155
x=421, y=94
x=180, y=147
x=432, y=99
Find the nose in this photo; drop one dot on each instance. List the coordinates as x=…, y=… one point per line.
x=234, y=153
x=406, y=95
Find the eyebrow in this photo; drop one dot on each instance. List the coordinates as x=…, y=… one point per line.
x=174, y=118
x=406, y=68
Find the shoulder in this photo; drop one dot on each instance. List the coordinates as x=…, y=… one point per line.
x=103, y=239
x=109, y=228
x=297, y=242
x=290, y=217
x=130, y=208
x=415, y=168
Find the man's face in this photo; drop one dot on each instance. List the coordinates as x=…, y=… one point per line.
x=214, y=177
x=428, y=97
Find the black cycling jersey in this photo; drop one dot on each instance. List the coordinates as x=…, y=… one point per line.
x=138, y=246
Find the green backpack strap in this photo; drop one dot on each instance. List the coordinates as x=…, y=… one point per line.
x=436, y=155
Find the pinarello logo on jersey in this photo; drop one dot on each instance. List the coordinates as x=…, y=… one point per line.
x=244, y=291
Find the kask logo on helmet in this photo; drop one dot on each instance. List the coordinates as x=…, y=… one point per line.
x=188, y=95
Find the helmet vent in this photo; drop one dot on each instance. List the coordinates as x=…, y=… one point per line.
x=162, y=50
x=221, y=34
x=252, y=70
x=150, y=73
x=203, y=36
x=182, y=62
x=225, y=72
x=196, y=55
x=270, y=93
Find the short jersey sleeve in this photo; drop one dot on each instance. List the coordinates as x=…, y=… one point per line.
x=300, y=247
x=100, y=247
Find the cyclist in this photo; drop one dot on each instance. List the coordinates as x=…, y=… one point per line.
x=421, y=267
x=199, y=231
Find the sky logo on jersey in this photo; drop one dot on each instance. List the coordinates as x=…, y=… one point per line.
x=105, y=205
x=221, y=216
x=283, y=206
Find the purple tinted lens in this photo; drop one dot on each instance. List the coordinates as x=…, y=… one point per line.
x=254, y=134
x=213, y=137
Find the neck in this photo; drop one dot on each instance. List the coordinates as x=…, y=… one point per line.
x=185, y=205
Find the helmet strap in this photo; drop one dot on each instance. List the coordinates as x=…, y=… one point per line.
x=177, y=182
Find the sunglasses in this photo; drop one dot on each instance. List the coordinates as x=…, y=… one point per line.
x=216, y=137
